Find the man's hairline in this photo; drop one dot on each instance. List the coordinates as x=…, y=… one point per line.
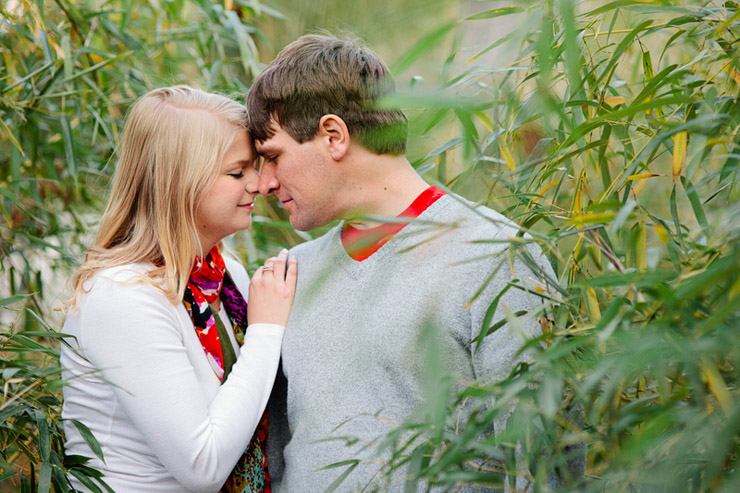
x=274, y=126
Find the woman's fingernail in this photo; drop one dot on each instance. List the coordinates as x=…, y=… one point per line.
x=284, y=250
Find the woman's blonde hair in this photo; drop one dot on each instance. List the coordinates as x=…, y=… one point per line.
x=173, y=143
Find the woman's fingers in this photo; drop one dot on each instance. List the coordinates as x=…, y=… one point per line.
x=272, y=290
x=269, y=265
x=279, y=265
x=292, y=274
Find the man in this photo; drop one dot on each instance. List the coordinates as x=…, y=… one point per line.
x=375, y=301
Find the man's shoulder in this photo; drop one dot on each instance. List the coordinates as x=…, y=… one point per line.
x=473, y=222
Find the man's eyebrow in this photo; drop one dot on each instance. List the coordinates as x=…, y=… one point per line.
x=264, y=148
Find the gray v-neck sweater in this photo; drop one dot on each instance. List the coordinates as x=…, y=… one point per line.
x=364, y=338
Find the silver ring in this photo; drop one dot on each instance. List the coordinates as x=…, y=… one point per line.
x=265, y=269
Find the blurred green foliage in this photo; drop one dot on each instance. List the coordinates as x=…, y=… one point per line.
x=611, y=138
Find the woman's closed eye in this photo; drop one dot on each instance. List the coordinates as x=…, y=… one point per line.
x=237, y=175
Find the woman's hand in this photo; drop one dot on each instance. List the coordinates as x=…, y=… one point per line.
x=271, y=291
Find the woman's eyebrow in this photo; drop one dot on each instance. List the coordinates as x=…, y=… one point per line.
x=242, y=163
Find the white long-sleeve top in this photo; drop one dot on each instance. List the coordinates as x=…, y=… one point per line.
x=139, y=379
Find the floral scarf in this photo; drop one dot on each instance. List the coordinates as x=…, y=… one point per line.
x=209, y=280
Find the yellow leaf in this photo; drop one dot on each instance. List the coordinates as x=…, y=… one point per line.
x=615, y=100
x=662, y=233
x=717, y=386
x=545, y=326
x=641, y=176
x=545, y=189
x=592, y=218
x=732, y=72
x=592, y=303
x=577, y=248
x=485, y=120
x=679, y=154
x=735, y=75
x=506, y=154
x=57, y=48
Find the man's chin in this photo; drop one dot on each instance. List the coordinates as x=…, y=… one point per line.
x=298, y=225
x=304, y=224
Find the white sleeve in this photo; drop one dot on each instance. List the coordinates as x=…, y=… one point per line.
x=133, y=335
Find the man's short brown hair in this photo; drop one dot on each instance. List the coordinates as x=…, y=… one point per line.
x=319, y=75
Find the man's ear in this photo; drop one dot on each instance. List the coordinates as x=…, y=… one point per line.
x=333, y=131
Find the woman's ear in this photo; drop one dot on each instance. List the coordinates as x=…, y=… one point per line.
x=333, y=131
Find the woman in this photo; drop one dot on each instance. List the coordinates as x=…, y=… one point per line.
x=156, y=370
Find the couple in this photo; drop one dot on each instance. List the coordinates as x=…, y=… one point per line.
x=167, y=372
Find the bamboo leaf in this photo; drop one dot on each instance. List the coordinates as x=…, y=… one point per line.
x=493, y=13
x=95, y=67
x=15, y=299
x=641, y=176
x=717, y=386
x=43, y=428
x=640, y=245
x=679, y=153
x=647, y=65
x=696, y=205
x=69, y=146
x=592, y=303
x=12, y=138
x=615, y=100
x=450, y=144
x=506, y=153
x=89, y=438
x=44, y=485
x=351, y=465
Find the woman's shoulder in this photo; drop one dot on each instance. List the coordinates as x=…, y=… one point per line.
x=119, y=274
x=127, y=280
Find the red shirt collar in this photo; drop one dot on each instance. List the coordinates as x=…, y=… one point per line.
x=362, y=243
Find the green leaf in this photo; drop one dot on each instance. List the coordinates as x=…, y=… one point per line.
x=352, y=464
x=85, y=480
x=696, y=205
x=7, y=475
x=45, y=478
x=43, y=429
x=488, y=317
x=572, y=49
x=493, y=13
x=89, y=439
x=15, y=299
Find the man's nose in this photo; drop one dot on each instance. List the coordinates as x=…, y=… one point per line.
x=268, y=183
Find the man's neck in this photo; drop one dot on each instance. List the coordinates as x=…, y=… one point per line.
x=386, y=190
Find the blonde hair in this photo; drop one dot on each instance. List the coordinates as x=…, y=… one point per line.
x=173, y=143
